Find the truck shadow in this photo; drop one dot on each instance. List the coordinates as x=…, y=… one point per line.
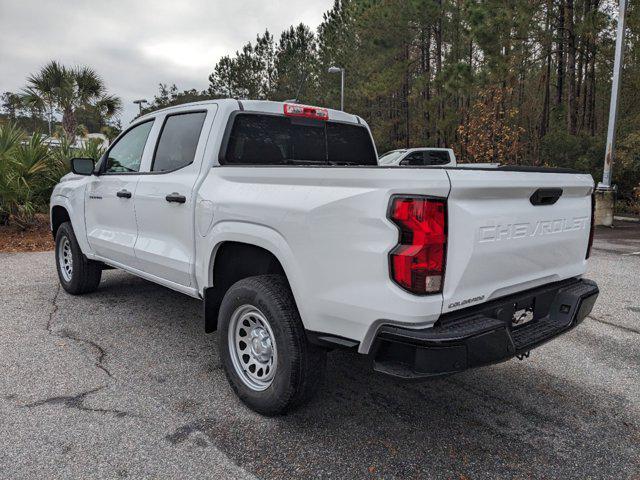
x=517, y=419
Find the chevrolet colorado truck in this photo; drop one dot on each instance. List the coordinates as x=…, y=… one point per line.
x=279, y=219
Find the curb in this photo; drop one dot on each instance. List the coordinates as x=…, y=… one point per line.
x=626, y=219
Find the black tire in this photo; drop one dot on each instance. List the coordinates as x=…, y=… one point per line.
x=300, y=365
x=85, y=274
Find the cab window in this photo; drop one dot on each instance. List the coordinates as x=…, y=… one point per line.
x=427, y=157
x=436, y=157
x=414, y=159
x=126, y=154
x=178, y=141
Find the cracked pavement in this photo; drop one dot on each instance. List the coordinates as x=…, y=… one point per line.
x=123, y=383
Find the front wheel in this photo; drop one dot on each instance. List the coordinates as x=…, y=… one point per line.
x=265, y=353
x=76, y=272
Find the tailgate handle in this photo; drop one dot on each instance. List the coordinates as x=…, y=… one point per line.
x=545, y=196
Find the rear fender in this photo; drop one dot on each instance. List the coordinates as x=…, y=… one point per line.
x=251, y=234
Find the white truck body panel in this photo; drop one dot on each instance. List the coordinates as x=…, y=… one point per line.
x=328, y=228
x=110, y=221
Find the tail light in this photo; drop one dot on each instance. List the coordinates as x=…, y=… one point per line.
x=592, y=228
x=417, y=263
x=295, y=110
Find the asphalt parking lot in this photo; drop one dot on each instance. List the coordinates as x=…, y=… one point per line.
x=123, y=383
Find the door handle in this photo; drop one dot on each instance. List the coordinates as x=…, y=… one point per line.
x=124, y=194
x=175, y=197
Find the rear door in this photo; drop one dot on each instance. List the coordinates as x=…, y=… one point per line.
x=510, y=231
x=164, y=199
x=109, y=203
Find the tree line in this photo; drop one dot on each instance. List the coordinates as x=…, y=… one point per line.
x=512, y=81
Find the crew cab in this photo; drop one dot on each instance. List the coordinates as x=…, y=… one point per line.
x=279, y=219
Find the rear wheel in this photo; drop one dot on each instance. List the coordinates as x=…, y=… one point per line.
x=266, y=356
x=76, y=272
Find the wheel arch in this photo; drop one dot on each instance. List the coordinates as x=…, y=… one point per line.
x=70, y=209
x=233, y=260
x=59, y=215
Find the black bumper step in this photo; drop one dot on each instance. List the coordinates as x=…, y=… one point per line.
x=533, y=334
x=485, y=334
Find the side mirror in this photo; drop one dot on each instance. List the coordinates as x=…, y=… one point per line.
x=405, y=162
x=82, y=166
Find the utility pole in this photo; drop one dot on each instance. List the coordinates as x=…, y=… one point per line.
x=605, y=192
x=341, y=72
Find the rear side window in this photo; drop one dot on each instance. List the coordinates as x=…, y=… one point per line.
x=178, y=141
x=436, y=157
x=257, y=139
x=428, y=157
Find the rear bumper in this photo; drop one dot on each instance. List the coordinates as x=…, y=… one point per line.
x=484, y=334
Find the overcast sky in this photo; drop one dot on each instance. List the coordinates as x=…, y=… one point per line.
x=135, y=44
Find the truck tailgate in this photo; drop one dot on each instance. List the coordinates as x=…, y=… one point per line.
x=502, y=241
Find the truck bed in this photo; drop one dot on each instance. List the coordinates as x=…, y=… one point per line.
x=331, y=225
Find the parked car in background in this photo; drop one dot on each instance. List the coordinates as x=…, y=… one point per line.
x=437, y=157
x=278, y=217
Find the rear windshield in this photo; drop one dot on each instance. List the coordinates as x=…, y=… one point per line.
x=258, y=139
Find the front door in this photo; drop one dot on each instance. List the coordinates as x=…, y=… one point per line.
x=109, y=199
x=164, y=200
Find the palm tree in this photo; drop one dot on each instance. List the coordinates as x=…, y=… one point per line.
x=57, y=88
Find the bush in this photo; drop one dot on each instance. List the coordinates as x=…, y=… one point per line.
x=29, y=169
x=25, y=175
x=580, y=152
x=626, y=172
x=586, y=154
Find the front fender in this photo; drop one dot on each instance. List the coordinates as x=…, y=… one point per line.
x=72, y=200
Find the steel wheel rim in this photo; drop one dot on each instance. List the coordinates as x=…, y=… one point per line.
x=65, y=259
x=252, y=347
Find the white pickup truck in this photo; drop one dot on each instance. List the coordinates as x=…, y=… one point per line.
x=422, y=156
x=278, y=217
x=427, y=157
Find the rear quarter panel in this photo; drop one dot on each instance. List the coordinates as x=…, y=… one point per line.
x=328, y=228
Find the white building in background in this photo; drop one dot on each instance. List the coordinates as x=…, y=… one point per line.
x=80, y=142
x=95, y=136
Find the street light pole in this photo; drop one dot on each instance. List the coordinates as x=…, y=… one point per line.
x=604, y=192
x=342, y=89
x=615, y=92
x=341, y=71
x=139, y=103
